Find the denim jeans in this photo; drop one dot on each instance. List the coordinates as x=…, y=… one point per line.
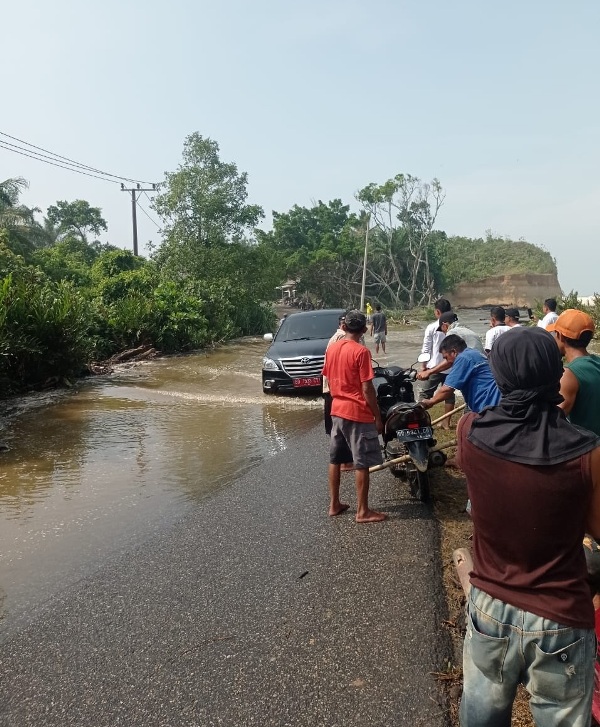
x=506, y=646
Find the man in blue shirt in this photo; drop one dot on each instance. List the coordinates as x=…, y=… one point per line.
x=470, y=372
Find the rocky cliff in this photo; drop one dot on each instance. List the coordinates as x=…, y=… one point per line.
x=520, y=289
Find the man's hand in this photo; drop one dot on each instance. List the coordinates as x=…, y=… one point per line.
x=427, y=403
x=423, y=375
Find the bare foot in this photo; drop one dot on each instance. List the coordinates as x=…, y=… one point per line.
x=347, y=467
x=342, y=507
x=444, y=425
x=370, y=516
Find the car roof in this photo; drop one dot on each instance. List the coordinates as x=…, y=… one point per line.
x=319, y=312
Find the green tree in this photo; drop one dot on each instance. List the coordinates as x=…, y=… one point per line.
x=76, y=218
x=404, y=210
x=16, y=219
x=204, y=201
x=322, y=249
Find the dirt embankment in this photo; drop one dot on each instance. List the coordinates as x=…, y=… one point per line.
x=521, y=289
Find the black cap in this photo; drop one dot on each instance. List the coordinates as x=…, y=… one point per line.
x=512, y=312
x=449, y=317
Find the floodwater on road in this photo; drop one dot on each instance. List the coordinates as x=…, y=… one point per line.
x=96, y=470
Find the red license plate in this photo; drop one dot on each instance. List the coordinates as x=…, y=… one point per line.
x=309, y=381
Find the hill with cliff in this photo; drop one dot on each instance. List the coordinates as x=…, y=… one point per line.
x=492, y=271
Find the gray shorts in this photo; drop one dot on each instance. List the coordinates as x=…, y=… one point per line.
x=361, y=437
x=379, y=337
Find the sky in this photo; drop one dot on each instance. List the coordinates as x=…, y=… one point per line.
x=315, y=100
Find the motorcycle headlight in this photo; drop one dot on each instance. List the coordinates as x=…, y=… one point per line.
x=269, y=364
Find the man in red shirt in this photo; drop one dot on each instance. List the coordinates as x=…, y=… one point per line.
x=355, y=415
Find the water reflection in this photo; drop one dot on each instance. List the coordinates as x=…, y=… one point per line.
x=95, y=469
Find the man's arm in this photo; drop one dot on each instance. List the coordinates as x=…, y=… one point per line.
x=371, y=330
x=442, y=394
x=368, y=391
x=424, y=375
x=569, y=388
x=593, y=520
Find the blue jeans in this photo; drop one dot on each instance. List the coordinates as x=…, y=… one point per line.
x=505, y=646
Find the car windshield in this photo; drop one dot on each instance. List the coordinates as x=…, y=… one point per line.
x=307, y=327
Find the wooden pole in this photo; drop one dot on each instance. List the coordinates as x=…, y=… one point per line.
x=449, y=414
x=407, y=457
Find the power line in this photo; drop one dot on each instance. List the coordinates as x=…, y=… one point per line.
x=56, y=164
x=147, y=215
x=63, y=158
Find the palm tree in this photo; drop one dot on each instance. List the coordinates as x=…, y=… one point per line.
x=17, y=219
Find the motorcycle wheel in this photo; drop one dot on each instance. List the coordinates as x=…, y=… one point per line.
x=418, y=483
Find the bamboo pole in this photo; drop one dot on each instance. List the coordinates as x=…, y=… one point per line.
x=449, y=414
x=407, y=457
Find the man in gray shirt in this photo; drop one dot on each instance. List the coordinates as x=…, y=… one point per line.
x=379, y=329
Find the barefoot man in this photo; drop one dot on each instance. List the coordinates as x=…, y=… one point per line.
x=355, y=415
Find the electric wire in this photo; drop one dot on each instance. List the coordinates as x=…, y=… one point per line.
x=63, y=158
x=56, y=164
x=148, y=216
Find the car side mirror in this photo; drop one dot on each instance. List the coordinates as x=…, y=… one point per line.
x=268, y=337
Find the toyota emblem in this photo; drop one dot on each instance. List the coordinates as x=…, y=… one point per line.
x=305, y=360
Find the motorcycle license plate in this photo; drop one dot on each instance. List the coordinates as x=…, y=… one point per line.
x=409, y=435
x=308, y=381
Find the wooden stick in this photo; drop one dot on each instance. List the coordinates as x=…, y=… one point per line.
x=406, y=457
x=449, y=414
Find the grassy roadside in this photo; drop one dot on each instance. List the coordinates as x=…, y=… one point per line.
x=449, y=491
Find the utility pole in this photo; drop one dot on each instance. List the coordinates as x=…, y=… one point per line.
x=364, y=271
x=135, y=193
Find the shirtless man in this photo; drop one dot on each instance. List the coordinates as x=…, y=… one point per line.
x=356, y=419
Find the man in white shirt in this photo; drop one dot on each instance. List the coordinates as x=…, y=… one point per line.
x=550, y=314
x=497, y=327
x=434, y=335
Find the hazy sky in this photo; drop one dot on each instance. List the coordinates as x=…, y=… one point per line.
x=499, y=100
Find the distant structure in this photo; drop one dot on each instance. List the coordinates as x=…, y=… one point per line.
x=586, y=299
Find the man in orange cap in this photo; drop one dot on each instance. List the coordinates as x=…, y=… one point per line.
x=580, y=382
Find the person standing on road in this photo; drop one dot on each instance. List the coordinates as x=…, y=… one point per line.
x=379, y=329
x=497, y=327
x=432, y=338
x=580, y=382
x=534, y=482
x=550, y=314
x=356, y=419
x=345, y=456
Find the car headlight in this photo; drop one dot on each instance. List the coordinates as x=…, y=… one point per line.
x=269, y=364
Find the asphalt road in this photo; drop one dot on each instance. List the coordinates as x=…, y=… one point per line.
x=256, y=609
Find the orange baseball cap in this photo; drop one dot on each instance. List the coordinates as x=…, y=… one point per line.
x=572, y=323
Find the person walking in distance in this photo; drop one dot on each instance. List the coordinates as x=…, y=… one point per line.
x=356, y=419
x=379, y=329
x=580, y=382
x=534, y=482
x=432, y=338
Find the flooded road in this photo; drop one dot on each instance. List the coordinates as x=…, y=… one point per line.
x=94, y=471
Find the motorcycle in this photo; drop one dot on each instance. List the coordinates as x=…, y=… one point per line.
x=407, y=427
